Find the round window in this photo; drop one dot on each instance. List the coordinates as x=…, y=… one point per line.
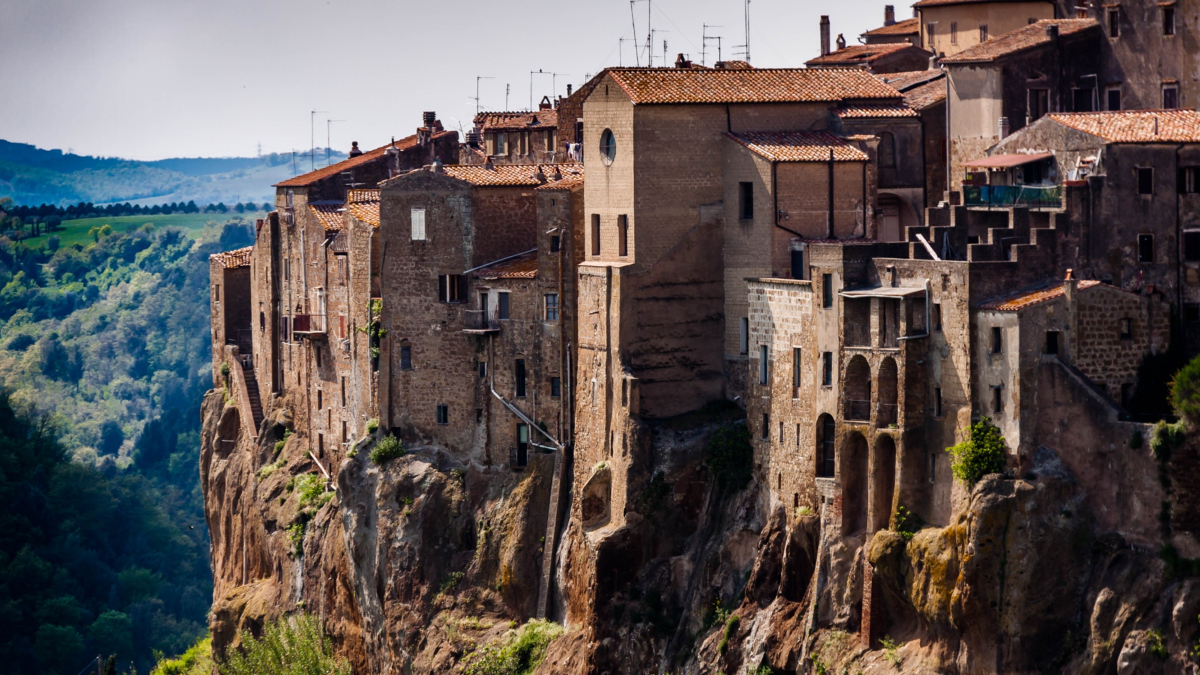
x=608, y=146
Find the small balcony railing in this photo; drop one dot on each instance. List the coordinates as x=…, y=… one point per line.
x=1005, y=196
x=479, y=321
x=858, y=410
x=308, y=324
x=887, y=414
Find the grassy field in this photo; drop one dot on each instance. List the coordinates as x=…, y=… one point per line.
x=76, y=231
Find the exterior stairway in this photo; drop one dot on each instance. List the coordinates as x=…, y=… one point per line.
x=255, y=399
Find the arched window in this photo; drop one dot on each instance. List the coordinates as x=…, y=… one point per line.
x=887, y=150
x=826, y=449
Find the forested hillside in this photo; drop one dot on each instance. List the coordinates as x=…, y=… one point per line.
x=104, y=353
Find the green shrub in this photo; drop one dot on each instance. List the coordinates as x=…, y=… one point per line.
x=982, y=452
x=372, y=426
x=731, y=625
x=388, y=448
x=197, y=660
x=715, y=614
x=730, y=456
x=517, y=653
x=224, y=369
x=1154, y=641
x=1185, y=392
x=294, y=645
x=269, y=469
x=295, y=535
x=889, y=650
x=310, y=488
x=451, y=582
x=907, y=523
x=1166, y=438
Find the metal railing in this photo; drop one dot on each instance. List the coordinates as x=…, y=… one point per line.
x=858, y=410
x=1002, y=196
x=477, y=319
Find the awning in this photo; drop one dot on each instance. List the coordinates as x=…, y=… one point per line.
x=883, y=292
x=1006, y=161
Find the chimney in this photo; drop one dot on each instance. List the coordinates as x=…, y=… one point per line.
x=1003, y=127
x=1052, y=31
x=824, y=35
x=429, y=119
x=568, y=90
x=681, y=62
x=1070, y=285
x=889, y=15
x=841, y=42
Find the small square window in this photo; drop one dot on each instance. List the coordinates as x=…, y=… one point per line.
x=1191, y=246
x=418, y=224
x=1114, y=99
x=443, y=414
x=555, y=243
x=452, y=288
x=1189, y=180
x=1145, y=248
x=1126, y=329
x=1145, y=180
x=482, y=369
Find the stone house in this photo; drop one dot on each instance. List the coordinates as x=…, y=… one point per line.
x=892, y=31
x=925, y=93
x=887, y=57
x=949, y=27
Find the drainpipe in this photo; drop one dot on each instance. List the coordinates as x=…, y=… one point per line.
x=831, y=193
x=520, y=415
x=946, y=76
x=1178, y=245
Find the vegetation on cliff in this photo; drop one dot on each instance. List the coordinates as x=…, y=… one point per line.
x=983, y=451
x=517, y=653
x=293, y=645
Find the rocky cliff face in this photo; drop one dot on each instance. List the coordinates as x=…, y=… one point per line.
x=416, y=564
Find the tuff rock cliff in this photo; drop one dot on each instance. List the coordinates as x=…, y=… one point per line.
x=416, y=564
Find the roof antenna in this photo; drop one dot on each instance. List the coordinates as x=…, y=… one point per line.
x=477, y=79
x=704, y=40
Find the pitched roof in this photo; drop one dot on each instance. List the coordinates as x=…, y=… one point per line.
x=231, y=259
x=329, y=214
x=875, y=111
x=517, y=121
x=756, y=85
x=364, y=205
x=906, y=27
x=522, y=266
x=908, y=79
x=511, y=175
x=1136, y=126
x=926, y=95
x=307, y=179
x=938, y=3
x=568, y=182
x=861, y=54
x=1029, y=298
x=799, y=146
x=1027, y=37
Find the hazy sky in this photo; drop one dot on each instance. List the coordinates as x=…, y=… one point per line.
x=149, y=79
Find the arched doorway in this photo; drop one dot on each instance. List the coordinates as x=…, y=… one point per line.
x=854, y=484
x=888, y=412
x=883, y=486
x=857, y=390
x=826, y=452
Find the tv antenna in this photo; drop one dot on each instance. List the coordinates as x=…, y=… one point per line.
x=312, y=139
x=746, y=47
x=649, y=33
x=328, y=123
x=507, y=89
x=477, y=80
x=705, y=38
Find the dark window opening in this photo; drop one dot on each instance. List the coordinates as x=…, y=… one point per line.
x=1114, y=99
x=555, y=387
x=762, y=364
x=522, y=444
x=1114, y=24
x=262, y=321
x=595, y=234
x=1145, y=180
x=622, y=235
x=1191, y=246
x=320, y=445
x=443, y=414
x=746, y=200
x=1170, y=98
x=555, y=243
x=1126, y=329
x=320, y=401
x=827, y=369
x=937, y=401
x=1191, y=312
x=1189, y=180
x=482, y=369
x=479, y=414
x=343, y=392
x=983, y=32
x=797, y=264
x=503, y=302
x=796, y=372
x=344, y=431
x=1039, y=103
x=1081, y=100
x=520, y=376
x=317, y=354
x=1168, y=20
x=936, y=317
x=826, y=459
x=452, y=288
x=766, y=426
x=1051, y=342
x=826, y=291
x=997, y=339
x=1145, y=248
x=608, y=147
x=405, y=357
x=997, y=399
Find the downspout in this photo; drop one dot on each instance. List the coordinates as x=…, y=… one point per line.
x=521, y=416
x=775, y=189
x=1178, y=243
x=864, y=199
x=830, y=232
x=946, y=74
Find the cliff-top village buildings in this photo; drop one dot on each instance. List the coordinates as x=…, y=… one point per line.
x=989, y=209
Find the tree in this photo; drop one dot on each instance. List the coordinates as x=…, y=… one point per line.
x=1185, y=392
x=58, y=647
x=112, y=631
x=983, y=451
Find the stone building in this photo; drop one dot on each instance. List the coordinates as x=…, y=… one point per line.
x=952, y=26
x=892, y=31
x=925, y=93
x=887, y=57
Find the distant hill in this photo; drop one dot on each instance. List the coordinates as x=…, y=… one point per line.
x=32, y=176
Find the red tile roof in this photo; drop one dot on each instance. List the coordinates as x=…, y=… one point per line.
x=329, y=214
x=231, y=259
x=307, y=179
x=511, y=175
x=1027, y=37
x=1136, y=126
x=939, y=3
x=1025, y=299
x=926, y=95
x=523, y=266
x=799, y=146
x=906, y=27
x=517, y=121
x=910, y=78
x=364, y=205
x=862, y=54
x=875, y=111
x=757, y=85
x=568, y=182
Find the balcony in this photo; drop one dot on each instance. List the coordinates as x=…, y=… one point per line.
x=1008, y=196
x=309, y=325
x=479, y=322
x=858, y=411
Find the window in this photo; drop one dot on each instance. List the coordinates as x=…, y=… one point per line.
x=1114, y=98
x=983, y=32
x=997, y=339
x=826, y=291
x=482, y=369
x=826, y=457
x=1145, y=248
x=1191, y=312
x=520, y=378
x=320, y=445
x=1145, y=180
x=1168, y=20
x=320, y=401
x=1126, y=328
x=344, y=431
x=997, y=399
x=781, y=443
x=622, y=235
x=954, y=32
x=1038, y=103
x=502, y=301
x=746, y=201
x=501, y=144
x=929, y=34
x=522, y=444
x=343, y=392
x=1081, y=100
x=762, y=364
x=1051, y=342
x=1114, y=23
x=887, y=150
x=216, y=292
x=608, y=147
x=479, y=414
x=555, y=243
x=418, y=224
x=827, y=369
x=1189, y=181
x=452, y=288
x=317, y=354
x=405, y=357
x=937, y=401
x=796, y=372
x=555, y=387
x=552, y=306
x=262, y=321
x=287, y=269
x=1191, y=246
x=798, y=263
x=443, y=414
x=744, y=337
x=1170, y=97
x=595, y=234
x=935, y=315
x=766, y=426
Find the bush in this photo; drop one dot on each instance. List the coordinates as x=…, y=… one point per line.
x=1166, y=438
x=730, y=456
x=311, y=491
x=195, y=661
x=372, y=426
x=731, y=625
x=518, y=653
x=451, y=582
x=388, y=448
x=224, y=369
x=1185, y=392
x=983, y=451
x=907, y=523
x=294, y=645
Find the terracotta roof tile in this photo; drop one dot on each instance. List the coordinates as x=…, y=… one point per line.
x=875, y=111
x=1027, y=298
x=364, y=205
x=329, y=214
x=938, y=3
x=523, y=266
x=906, y=27
x=862, y=54
x=568, y=182
x=307, y=179
x=733, y=65
x=340, y=243
x=1027, y=37
x=908, y=79
x=231, y=259
x=517, y=121
x=510, y=175
x=926, y=95
x=1136, y=126
x=757, y=85
x=799, y=146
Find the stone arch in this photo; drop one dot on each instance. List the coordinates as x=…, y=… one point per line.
x=826, y=451
x=856, y=389
x=883, y=482
x=853, y=467
x=887, y=387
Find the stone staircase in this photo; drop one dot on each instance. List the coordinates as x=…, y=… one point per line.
x=255, y=399
x=561, y=462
